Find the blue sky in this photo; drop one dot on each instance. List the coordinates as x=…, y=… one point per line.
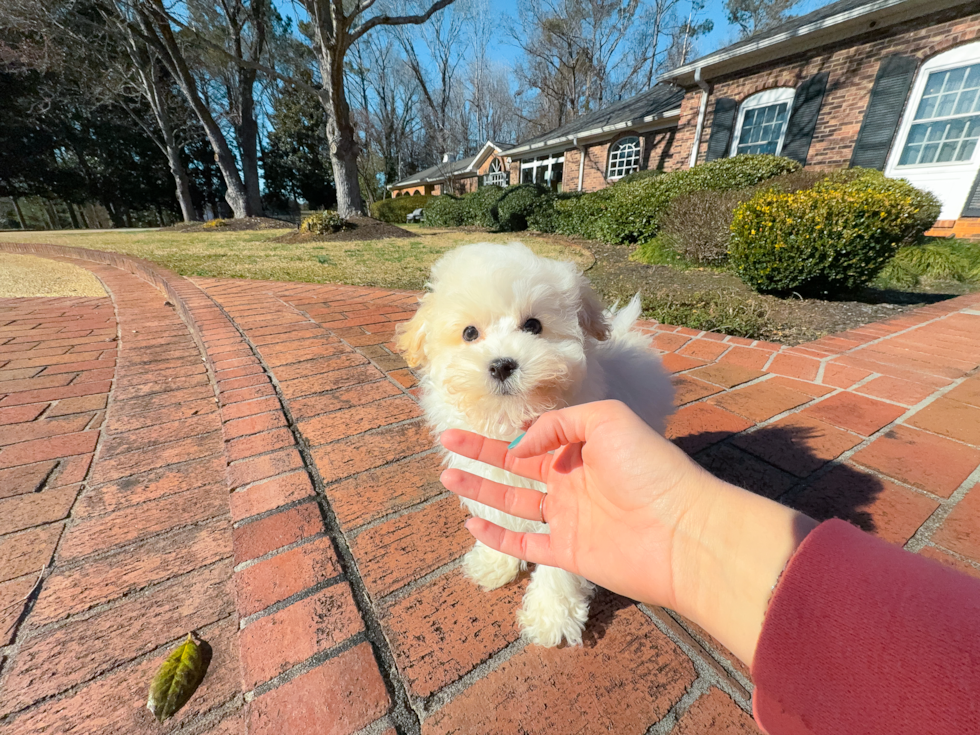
x=722, y=35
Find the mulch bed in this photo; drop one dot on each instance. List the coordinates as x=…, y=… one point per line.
x=236, y=225
x=364, y=228
x=790, y=320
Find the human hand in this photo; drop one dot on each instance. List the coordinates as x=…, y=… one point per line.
x=628, y=510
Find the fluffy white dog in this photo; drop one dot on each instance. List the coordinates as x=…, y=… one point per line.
x=501, y=337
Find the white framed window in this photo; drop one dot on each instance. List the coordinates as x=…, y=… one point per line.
x=496, y=176
x=544, y=170
x=624, y=157
x=761, y=123
x=936, y=147
x=946, y=124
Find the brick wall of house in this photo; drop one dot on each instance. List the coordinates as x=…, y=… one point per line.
x=851, y=65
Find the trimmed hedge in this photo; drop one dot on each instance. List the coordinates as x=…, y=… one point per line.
x=396, y=210
x=518, y=206
x=633, y=210
x=446, y=210
x=837, y=235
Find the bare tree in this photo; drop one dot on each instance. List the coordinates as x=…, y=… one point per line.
x=145, y=73
x=752, y=16
x=580, y=55
x=241, y=28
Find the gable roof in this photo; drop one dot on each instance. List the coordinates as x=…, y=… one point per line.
x=444, y=170
x=831, y=23
x=658, y=102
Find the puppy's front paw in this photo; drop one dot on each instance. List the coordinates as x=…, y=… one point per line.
x=548, y=615
x=489, y=568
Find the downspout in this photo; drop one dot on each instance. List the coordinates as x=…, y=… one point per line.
x=705, y=91
x=581, y=162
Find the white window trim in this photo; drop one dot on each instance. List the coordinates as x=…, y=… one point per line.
x=612, y=149
x=547, y=164
x=763, y=99
x=964, y=55
x=492, y=177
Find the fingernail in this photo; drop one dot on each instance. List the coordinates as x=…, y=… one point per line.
x=516, y=441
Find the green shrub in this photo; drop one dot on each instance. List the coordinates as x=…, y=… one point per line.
x=517, y=206
x=637, y=175
x=712, y=311
x=633, y=211
x=396, y=210
x=658, y=250
x=698, y=225
x=324, y=223
x=927, y=206
x=481, y=206
x=446, y=211
x=938, y=260
x=582, y=214
x=837, y=235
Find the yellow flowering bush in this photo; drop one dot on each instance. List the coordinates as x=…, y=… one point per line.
x=324, y=223
x=836, y=236
x=213, y=224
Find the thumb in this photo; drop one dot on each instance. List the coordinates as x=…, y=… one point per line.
x=566, y=426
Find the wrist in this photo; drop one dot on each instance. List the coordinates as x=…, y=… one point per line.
x=737, y=547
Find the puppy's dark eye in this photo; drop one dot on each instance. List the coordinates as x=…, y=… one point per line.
x=532, y=325
x=471, y=333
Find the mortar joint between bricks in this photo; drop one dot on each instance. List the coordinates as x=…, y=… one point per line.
x=401, y=712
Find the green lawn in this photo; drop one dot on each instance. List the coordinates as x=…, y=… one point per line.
x=389, y=263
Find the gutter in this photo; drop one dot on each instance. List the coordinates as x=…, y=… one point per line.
x=625, y=125
x=778, y=39
x=703, y=108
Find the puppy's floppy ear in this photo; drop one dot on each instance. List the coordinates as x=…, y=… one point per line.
x=410, y=336
x=591, y=312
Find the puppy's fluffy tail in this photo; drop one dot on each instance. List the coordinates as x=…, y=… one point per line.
x=622, y=320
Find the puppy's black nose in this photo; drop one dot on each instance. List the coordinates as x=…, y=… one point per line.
x=502, y=368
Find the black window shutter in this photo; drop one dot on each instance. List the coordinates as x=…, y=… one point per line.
x=972, y=207
x=803, y=119
x=722, y=123
x=891, y=88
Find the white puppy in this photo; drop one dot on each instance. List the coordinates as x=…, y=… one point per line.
x=501, y=337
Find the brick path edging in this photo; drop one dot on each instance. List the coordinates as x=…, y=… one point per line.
x=287, y=567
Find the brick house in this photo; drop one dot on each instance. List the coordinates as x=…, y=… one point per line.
x=886, y=84
x=457, y=177
x=600, y=147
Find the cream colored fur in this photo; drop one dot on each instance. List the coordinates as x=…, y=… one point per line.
x=583, y=353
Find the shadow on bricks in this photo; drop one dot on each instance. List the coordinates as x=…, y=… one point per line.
x=792, y=464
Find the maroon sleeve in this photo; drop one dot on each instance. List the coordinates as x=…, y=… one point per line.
x=862, y=637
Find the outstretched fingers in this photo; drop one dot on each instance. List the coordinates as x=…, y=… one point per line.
x=493, y=452
x=516, y=501
x=532, y=547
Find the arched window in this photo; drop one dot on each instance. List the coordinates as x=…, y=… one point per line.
x=496, y=176
x=624, y=157
x=761, y=123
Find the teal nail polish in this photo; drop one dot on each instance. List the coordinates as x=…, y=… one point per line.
x=516, y=441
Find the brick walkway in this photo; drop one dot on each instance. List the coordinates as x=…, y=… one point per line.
x=262, y=475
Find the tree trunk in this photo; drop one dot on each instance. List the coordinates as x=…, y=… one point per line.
x=20, y=213
x=248, y=135
x=72, y=216
x=341, y=136
x=50, y=215
x=177, y=65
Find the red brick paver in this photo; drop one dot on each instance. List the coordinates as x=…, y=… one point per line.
x=258, y=447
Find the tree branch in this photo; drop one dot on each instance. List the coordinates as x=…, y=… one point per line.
x=398, y=20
